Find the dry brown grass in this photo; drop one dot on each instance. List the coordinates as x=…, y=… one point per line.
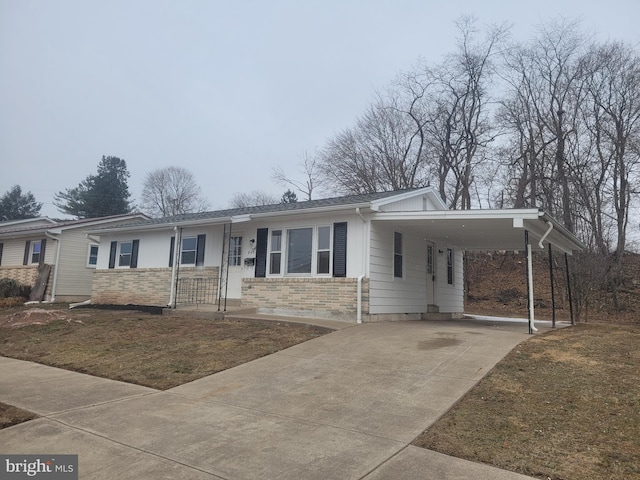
x=563, y=405
x=150, y=350
x=10, y=415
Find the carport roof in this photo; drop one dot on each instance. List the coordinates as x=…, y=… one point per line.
x=485, y=229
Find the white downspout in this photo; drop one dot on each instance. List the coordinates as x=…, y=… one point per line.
x=532, y=317
x=55, y=273
x=361, y=277
x=546, y=234
x=174, y=268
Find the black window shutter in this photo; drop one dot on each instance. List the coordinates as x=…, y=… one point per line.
x=134, y=254
x=1, y=248
x=172, y=246
x=27, y=248
x=43, y=247
x=200, y=250
x=340, y=249
x=261, y=252
x=112, y=254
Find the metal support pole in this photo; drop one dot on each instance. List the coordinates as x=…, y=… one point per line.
x=220, y=272
x=566, y=264
x=530, y=307
x=553, y=293
x=226, y=282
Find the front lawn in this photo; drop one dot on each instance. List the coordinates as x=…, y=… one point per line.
x=562, y=405
x=151, y=350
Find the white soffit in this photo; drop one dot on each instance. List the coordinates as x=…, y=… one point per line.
x=481, y=229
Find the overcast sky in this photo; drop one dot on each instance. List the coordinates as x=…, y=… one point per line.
x=227, y=89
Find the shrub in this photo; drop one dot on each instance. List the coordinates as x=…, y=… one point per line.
x=12, y=288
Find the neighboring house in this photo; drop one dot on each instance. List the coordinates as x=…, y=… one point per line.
x=377, y=256
x=26, y=246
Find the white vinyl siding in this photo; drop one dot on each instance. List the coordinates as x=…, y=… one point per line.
x=388, y=294
x=74, y=274
x=13, y=251
x=409, y=294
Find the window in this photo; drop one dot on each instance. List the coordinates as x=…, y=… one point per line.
x=235, y=251
x=188, y=251
x=124, y=257
x=450, y=266
x=92, y=261
x=429, y=259
x=35, y=252
x=397, y=255
x=124, y=254
x=275, y=256
x=324, y=250
x=299, y=250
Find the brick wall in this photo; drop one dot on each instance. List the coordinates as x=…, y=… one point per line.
x=26, y=275
x=320, y=297
x=139, y=286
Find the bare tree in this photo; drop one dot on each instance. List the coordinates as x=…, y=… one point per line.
x=459, y=130
x=253, y=199
x=383, y=151
x=612, y=113
x=541, y=111
x=311, y=170
x=172, y=191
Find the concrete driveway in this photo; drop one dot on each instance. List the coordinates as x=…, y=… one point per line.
x=342, y=406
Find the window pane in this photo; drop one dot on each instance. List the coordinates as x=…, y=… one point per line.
x=274, y=268
x=450, y=266
x=397, y=255
x=125, y=254
x=188, y=253
x=235, y=251
x=397, y=266
x=276, y=241
x=324, y=237
x=35, y=252
x=323, y=261
x=299, y=244
x=397, y=243
x=188, y=258
x=189, y=243
x=93, y=254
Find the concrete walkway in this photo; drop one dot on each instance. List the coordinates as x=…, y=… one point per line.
x=342, y=406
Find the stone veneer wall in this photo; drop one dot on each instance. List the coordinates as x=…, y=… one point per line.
x=139, y=286
x=319, y=297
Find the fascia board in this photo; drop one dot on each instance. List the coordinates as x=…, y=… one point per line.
x=525, y=214
x=157, y=226
x=309, y=211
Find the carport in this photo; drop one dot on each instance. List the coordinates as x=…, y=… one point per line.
x=493, y=230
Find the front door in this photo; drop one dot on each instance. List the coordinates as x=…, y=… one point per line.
x=431, y=273
x=234, y=282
